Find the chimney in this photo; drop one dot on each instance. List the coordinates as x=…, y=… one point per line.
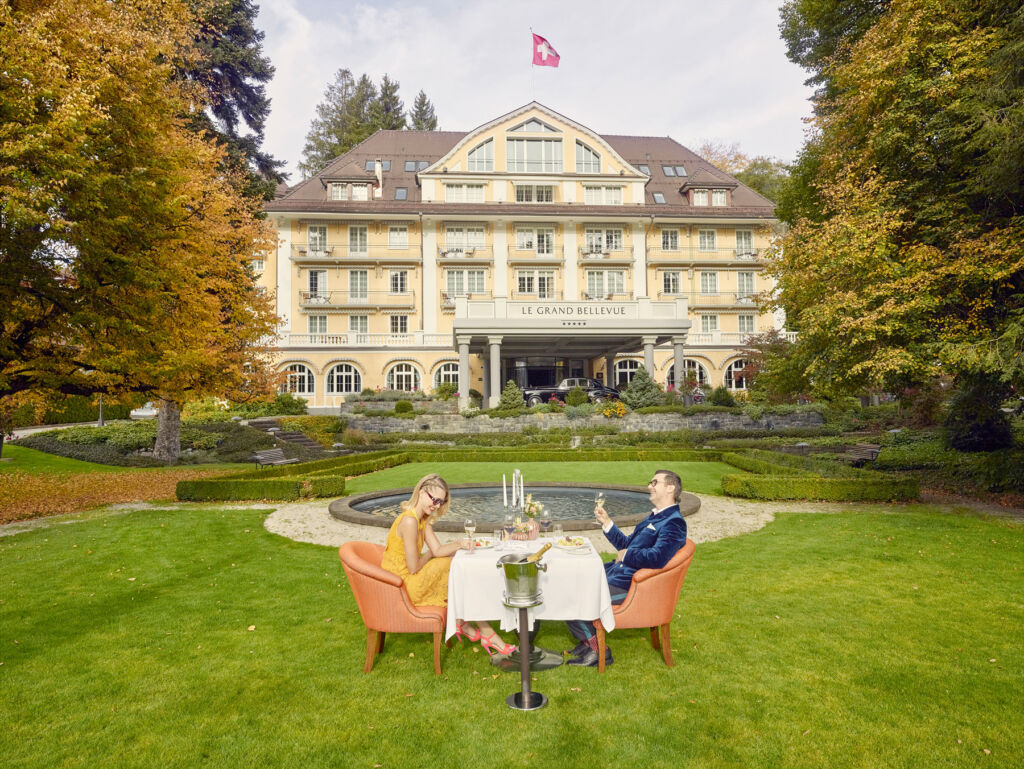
x=378, y=169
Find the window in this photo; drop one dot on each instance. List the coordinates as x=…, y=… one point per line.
x=670, y=282
x=399, y=324
x=446, y=373
x=398, y=237
x=463, y=282
x=359, y=324
x=402, y=376
x=668, y=170
x=602, y=196
x=718, y=197
x=625, y=370
x=317, y=239
x=357, y=282
x=339, y=192
x=257, y=265
x=746, y=324
x=670, y=240
x=401, y=193
x=481, y=157
x=587, y=161
x=700, y=197
x=298, y=379
x=385, y=165
x=399, y=282
x=709, y=282
x=680, y=170
x=410, y=166
x=317, y=283
x=601, y=283
x=645, y=170
x=744, y=284
x=744, y=242
x=463, y=193
x=542, y=240
x=537, y=282
x=708, y=324
x=464, y=238
x=659, y=198
x=533, y=155
x=603, y=241
x=534, y=126
x=357, y=239
x=360, y=192
x=534, y=193
x=342, y=379
x=421, y=164
x=733, y=379
x=707, y=240
x=317, y=324
x=693, y=371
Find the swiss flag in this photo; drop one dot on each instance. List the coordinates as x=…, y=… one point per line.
x=544, y=55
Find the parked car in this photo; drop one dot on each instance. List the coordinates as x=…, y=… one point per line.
x=148, y=411
x=595, y=391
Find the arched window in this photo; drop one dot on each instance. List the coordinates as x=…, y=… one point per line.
x=481, y=157
x=298, y=379
x=733, y=379
x=693, y=368
x=343, y=378
x=625, y=370
x=587, y=161
x=403, y=376
x=446, y=372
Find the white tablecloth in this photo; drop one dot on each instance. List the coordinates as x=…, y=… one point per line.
x=573, y=587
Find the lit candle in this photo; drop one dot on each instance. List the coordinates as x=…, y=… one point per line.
x=504, y=491
x=522, y=491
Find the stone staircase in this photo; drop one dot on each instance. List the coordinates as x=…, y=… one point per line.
x=273, y=426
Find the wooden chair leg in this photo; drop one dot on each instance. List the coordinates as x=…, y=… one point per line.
x=371, y=649
x=666, y=644
x=655, y=643
x=600, y=645
x=380, y=644
x=437, y=652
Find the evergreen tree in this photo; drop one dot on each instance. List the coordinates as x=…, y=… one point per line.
x=511, y=397
x=388, y=112
x=642, y=391
x=423, y=117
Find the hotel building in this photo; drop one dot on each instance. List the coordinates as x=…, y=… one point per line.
x=530, y=248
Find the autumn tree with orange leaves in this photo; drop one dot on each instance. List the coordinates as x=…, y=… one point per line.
x=123, y=241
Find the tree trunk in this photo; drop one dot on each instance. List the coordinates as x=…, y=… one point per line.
x=168, y=433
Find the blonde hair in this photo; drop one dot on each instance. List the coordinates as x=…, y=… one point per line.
x=431, y=480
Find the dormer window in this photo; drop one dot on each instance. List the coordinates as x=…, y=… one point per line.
x=602, y=196
x=360, y=192
x=700, y=197
x=718, y=197
x=481, y=157
x=587, y=161
x=339, y=191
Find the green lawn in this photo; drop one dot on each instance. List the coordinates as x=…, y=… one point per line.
x=883, y=638
x=699, y=477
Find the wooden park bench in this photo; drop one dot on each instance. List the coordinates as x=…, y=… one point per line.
x=862, y=453
x=272, y=457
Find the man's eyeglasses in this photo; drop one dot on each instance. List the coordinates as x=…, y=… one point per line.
x=655, y=481
x=434, y=499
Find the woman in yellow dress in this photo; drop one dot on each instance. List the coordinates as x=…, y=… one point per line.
x=425, y=574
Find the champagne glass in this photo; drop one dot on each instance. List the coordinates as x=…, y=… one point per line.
x=508, y=525
x=545, y=521
x=470, y=527
x=599, y=498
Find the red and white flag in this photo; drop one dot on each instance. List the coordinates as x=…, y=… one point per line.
x=544, y=55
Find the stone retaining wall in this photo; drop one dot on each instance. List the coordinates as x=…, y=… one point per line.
x=631, y=423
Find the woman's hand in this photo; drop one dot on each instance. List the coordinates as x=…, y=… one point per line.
x=465, y=544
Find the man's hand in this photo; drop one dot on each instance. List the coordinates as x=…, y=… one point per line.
x=602, y=516
x=620, y=556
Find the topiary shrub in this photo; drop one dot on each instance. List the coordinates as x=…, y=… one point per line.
x=576, y=397
x=445, y=391
x=721, y=397
x=511, y=397
x=642, y=391
x=403, y=407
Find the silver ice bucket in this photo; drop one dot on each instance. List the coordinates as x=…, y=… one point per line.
x=521, y=591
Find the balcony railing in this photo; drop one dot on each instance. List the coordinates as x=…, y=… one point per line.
x=306, y=252
x=464, y=252
x=353, y=339
x=697, y=254
x=601, y=252
x=319, y=299
x=622, y=296
x=448, y=298
x=534, y=296
x=743, y=300
x=727, y=338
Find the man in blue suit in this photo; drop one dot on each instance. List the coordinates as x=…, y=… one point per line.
x=651, y=545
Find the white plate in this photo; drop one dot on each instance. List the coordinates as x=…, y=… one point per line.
x=483, y=544
x=579, y=543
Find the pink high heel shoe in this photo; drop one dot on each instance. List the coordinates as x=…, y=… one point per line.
x=494, y=645
x=461, y=632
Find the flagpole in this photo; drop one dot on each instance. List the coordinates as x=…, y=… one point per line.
x=533, y=71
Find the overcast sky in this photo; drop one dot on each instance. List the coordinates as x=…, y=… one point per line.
x=689, y=69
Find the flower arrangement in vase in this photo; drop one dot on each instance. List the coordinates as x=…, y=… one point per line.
x=528, y=529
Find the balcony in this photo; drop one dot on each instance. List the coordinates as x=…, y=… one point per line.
x=535, y=296
x=721, y=299
x=621, y=296
x=318, y=300
x=686, y=254
x=588, y=253
x=448, y=298
x=319, y=253
x=352, y=339
x=467, y=253
x=728, y=338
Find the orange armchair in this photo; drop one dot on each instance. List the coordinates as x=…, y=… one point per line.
x=384, y=602
x=651, y=602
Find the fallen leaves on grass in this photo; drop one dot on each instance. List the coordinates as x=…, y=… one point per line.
x=27, y=495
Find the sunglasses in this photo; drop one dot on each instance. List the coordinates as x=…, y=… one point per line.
x=434, y=499
x=654, y=482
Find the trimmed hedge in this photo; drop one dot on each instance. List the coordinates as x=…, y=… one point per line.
x=222, y=489
x=758, y=466
x=828, y=489
x=541, y=454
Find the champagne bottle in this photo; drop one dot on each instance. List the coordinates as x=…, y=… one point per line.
x=536, y=556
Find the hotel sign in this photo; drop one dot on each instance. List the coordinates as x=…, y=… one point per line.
x=572, y=311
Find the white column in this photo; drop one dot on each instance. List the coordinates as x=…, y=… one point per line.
x=464, y=383
x=500, y=241
x=678, y=347
x=571, y=261
x=639, y=261
x=609, y=370
x=431, y=298
x=496, y=384
x=649, y=354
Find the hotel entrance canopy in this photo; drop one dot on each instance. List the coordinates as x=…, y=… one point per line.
x=500, y=328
